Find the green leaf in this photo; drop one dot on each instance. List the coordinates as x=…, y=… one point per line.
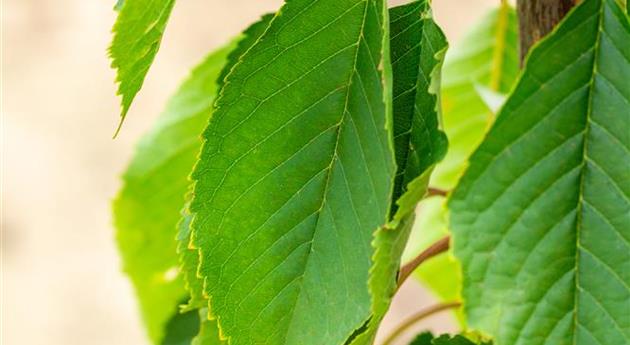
x=422, y=339
x=427, y=338
x=189, y=255
x=137, y=35
x=181, y=329
x=542, y=216
x=249, y=37
x=446, y=339
x=388, y=247
x=296, y=175
x=208, y=332
x=189, y=263
x=118, y=5
x=417, y=48
x=147, y=209
x=487, y=57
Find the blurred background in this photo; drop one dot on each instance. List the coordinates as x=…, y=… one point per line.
x=61, y=277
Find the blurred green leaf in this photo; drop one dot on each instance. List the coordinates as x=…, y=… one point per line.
x=181, y=328
x=422, y=339
x=446, y=339
x=427, y=338
x=208, y=332
x=487, y=57
x=147, y=208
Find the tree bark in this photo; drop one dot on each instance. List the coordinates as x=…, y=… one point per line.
x=537, y=18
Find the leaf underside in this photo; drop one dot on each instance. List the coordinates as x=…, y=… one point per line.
x=147, y=209
x=138, y=32
x=295, y=176
x=542, y=216
x=417, y=48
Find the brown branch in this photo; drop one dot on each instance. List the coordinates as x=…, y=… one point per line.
x=436, y=192
x=413, y=319
x=438, y=247
x=537, y=18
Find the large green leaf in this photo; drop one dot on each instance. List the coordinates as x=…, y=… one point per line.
x=542, y=215
x=486, y=58
x=417, y=48
x=147, y=209
x=137, y=35
x=296, y=175
x=189, y=255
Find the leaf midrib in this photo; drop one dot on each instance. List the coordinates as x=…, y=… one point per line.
x=580, y=202
x=334, y=158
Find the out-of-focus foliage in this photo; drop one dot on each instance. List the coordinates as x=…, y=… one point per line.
x=147, y=209
x=486, y=59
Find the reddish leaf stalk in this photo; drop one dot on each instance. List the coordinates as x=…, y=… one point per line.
x=438, y=247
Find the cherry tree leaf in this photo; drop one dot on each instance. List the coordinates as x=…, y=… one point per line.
x=296, y=175
x=189, y=254
x=542, y=216
x=417, y=47
x=138, y=32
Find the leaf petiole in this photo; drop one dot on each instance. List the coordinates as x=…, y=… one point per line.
x=438, y=247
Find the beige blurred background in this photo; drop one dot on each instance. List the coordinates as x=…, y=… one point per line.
x=61, y=279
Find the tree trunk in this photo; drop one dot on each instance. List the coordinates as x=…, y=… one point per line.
x=537, y=18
